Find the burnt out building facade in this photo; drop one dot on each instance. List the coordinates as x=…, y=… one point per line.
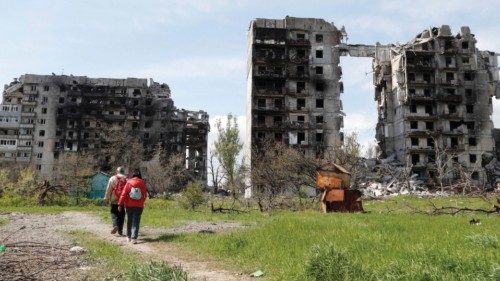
x=43, y=116
x=294, y=84
x=434, y=101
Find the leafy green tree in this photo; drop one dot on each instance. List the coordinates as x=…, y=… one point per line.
x=227, y=148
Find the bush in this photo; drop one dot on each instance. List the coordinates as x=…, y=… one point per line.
x=328, y=264
x=193, y=196
x=156, y=271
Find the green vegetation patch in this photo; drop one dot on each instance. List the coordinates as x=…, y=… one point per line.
x=373, y=246
x=111, y=260
x=4, y=221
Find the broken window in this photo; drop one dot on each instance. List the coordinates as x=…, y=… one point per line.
x=319, y=103
x=320, y=86
x=450, y=91
x=278, y=136
x=470, y=108
x=146, y=135
x=413, y=108
x=415, y=158
x=261, y=119
x=452, y=108
x=472, y=158
x=41, y=133
x=278, y=103
x=465, y=45
x=44, y=110
x=431, y=158
x=301, y=86
x=470, y=125
x=278, y=120
x=450, y=76
x=261, y=135
x=301, y=103
x=454, y=142
x=414, y=141
x=411, y=76
x=454, y=125
x=86, y=135
x=448, y=61
x=319, y=54
x=427, y=77
x=301, y=53
x=468, y=92
x=301, y=137
x=319, y=137
x=319, y=38
x=261, y=103
x=135, y=125
x=61, y=99
x=448, y=45
x=472, y=142
x=413, y=124
x=301, y=36
x=427, y=92
x=40, y=144
x=465, y=60
x=319, y=70
x=430, y=142
x=428, y=109
x=301, y=119
x=39, y=155
x=411, y=91
x=301, y=70
x=475, y=176
x=319, y=119
x=468, y=76
x=429, y=126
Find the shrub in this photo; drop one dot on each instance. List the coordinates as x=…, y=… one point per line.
x=193, y=196
x=156, y=271
x=328, y=264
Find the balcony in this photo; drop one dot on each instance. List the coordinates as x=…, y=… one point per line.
x=28, y=114
x=269, y=73
x=298, y=42
x=25, y=137
x=27, y=126
x=24, y=148
x=449, y=98
x=450, y=82
x=28, y=102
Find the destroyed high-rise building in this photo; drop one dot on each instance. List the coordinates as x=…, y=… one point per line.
x=433, y=94
x=434, y=101
x=43, y=116
x=293, y=84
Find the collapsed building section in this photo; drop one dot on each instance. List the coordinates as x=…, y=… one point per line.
x=434, y=101
x=293, y=84
x=43, y=116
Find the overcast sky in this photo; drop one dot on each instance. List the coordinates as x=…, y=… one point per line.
x=199, y=47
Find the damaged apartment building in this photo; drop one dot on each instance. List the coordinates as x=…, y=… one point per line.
x=434, y=99
x=433, y=94
x=293, y=84
x=43, y=116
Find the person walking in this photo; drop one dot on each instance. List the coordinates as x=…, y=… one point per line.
x=116, y=184
x=132, y=198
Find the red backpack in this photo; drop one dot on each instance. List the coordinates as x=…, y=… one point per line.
x=119, y=186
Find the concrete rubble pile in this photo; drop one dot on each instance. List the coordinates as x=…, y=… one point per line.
x=388, y=177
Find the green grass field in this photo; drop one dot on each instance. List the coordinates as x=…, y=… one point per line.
x=389, y=242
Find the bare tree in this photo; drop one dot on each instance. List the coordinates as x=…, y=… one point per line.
x=72, y=171
x=165, y=174
x=122, y=149
x=215, y=172
x=348, y=155
x=277, y=168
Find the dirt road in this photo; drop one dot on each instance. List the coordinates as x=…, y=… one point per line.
x=150, y=244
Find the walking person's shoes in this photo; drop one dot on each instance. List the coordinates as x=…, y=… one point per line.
x=134, y=241
x=114, y=230
x=129, y=239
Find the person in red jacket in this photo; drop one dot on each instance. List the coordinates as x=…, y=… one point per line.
x=132, y=198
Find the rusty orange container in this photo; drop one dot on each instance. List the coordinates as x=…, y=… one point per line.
x=335, y=195
x=328, y=181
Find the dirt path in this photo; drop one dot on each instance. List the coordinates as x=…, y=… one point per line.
x=196, y=268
